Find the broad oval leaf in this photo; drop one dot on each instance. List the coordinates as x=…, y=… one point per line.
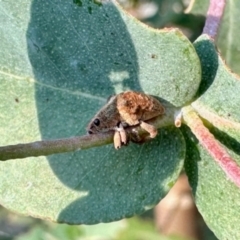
x=99, y=185
x=62, y=61
x=219, y=89
x=217, y=198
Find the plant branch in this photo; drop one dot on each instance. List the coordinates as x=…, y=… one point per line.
x=48, y=147
x=214, y=148
x=214, y=16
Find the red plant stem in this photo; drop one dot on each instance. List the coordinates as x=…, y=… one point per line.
x=214, y=16
x=213, y=147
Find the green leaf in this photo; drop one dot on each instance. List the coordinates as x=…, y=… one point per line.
x=60, y=61
x=219, y=89
x=216, y=196
x=99, y=185
x=229, y=34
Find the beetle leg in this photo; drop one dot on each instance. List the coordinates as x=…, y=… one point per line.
x=120, y=136
x=149, y=128
x=117, y=139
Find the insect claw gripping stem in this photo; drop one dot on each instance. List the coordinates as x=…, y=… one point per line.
x=120, y=136
x=149, y=128
x=117, y=140
x=123, y=134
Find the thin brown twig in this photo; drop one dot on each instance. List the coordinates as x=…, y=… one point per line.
x=48, y=147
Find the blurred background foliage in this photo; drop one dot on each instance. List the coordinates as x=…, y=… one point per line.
x=166, y=13
x=17, y=227
x=158, y=14
x=174, y=218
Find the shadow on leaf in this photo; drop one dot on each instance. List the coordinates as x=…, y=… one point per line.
x=79, y=58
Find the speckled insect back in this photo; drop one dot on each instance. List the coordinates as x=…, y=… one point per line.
x=135, y=106
x=126, y=109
